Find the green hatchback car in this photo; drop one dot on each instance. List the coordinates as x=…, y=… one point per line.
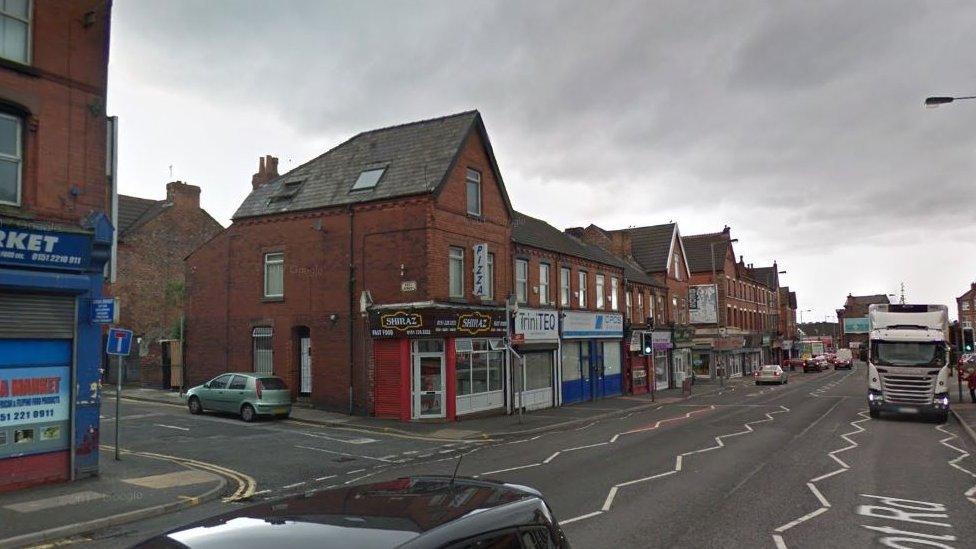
x=248, y=394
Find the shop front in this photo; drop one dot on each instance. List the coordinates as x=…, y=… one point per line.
x=724, y=351
x=661, y=344
x=591, y=355
x=683, y=339
x=50, y=351
x=437, y=362
x=639, y=363
x=535, y=337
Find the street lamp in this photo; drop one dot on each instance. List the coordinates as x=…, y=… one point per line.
x=935, y=101
x=718, y=314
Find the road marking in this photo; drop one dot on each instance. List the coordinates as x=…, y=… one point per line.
x=354, y=471
x=588, y=425
x=326, y=477
x=172, y=426
x=816, y=492
x=516, y=468
x=341, y=453
x=581, y=517
x=289, y=486
x=550, y=458
x=587, y=446
x=84, y=496
x=804, y=518
x=171, y=480
x=971, y=493
x=261, y=492
x=360, y=440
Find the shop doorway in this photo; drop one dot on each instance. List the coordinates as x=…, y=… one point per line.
x=596, y=370
x=427, y=365
x=303, y=346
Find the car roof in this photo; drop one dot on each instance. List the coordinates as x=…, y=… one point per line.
x=385, y=514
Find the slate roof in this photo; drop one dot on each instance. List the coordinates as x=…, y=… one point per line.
x=698, y=249
x=651, y=246
x=764, y=275
x=135, y=212
x=417, y=158
x=529, y=231
x=793, y=300
x=869, y=299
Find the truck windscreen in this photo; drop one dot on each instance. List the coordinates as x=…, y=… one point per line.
x=890, y=353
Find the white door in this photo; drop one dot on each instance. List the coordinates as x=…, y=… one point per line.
x=428, y=381
x=306, y=345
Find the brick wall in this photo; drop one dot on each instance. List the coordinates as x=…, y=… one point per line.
x=535, y=257
x=61, y=100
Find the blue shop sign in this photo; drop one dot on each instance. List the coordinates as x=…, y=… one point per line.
x=44, y=249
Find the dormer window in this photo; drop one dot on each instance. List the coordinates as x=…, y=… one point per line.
x=287, y=191
x=368, y=179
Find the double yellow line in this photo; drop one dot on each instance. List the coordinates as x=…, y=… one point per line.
x=246, y=485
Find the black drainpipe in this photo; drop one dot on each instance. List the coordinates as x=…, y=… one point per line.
x=352, y=300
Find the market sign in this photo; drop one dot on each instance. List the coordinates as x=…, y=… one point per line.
x=407, y=322
x=703, y=304
x=32, y=395
x=536, y=325
x=41, y=248
x=581, y=325
x=661, y=340
x=857, y=325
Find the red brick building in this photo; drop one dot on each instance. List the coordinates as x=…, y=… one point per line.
x=55, y=236
x=855, y=335
x=153, y=238
x=353, y=275
x=787, y=321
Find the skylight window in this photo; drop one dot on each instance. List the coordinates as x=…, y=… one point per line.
x=368, y=179
x=287, y=191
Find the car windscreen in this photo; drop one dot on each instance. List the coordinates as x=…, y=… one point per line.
x=273, y=383
x=770, y=368
x=891, y=353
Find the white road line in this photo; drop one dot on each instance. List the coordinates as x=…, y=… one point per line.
x=340, y=453
x=260, y=492
x=587, y=426
x=816, y=492
x=354, y=471
x=552, y=457
x=326, y=477
x=360, y=440
x=971, y=493
x=290, y=486
x=511, y=469
x=778, y=540
x=172, y=427
x=581, y=517
x=804, y=518
x=609, y=501
x=587, y=446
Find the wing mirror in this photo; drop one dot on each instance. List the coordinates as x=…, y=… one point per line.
x=206, y=385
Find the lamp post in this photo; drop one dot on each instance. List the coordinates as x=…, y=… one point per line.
x=718, y=314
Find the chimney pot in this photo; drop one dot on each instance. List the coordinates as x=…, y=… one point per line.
x=267, y=170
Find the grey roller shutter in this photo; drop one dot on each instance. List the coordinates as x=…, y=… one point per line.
x=36, y=316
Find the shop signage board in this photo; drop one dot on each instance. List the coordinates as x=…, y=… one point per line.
x=703, y=304
x=635, y=340
x=536, y=325
x=104, y=311
x=29, y=247
x=481, y=286
x=407, y=322
x=582, y=325
x=858, y=325
x=34, y=395
x=728, y=343
x=661, y=340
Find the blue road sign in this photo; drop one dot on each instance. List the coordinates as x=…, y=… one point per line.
x=104, y=311
x=119, y=341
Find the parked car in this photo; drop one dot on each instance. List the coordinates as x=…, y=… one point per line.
x=408, y=513
x=245, y=393
x=793, y=363
x=772, y=373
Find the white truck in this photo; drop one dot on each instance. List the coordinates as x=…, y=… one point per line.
x=908, y=360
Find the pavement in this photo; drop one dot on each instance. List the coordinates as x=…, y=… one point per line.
x=964, y=411
x=798, y=465
x=135, y=488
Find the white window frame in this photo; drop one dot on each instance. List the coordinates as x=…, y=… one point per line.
x=640, y=306
x=614, y=288
x=455, y=270
x=28, y=49
x=965, y=305
x=629, y=304
x=565, y=286
x=522, y=280
x=19, y=158
x=544, y=274
x=272, y=259
x=601, y=299
x=472, y=178
x=581, y=294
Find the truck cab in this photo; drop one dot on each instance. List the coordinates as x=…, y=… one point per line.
x=908, y=360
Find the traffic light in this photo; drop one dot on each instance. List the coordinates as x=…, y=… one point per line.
x=646, y=347
x=967, y=340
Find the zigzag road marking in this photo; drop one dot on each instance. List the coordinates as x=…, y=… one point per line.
x=811, y=484
x=971, y=493
x=678, y=463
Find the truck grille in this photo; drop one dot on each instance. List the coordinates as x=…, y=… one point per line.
x=908, y=389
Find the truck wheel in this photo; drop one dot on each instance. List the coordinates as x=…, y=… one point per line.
x=875, y=413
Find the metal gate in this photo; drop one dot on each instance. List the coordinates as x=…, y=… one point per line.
x=35, y=316
x=306, y=347
x=263, y=350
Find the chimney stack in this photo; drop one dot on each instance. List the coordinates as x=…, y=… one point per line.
x=183, y=195
x=267, y=170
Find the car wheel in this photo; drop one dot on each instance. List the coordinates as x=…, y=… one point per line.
x=194, y=405
x=875, y=413
x=247, y=413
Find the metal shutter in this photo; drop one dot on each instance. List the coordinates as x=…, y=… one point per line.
x=36, y=316
x=386, y=367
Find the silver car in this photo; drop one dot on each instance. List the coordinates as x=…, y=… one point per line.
x=772, y=373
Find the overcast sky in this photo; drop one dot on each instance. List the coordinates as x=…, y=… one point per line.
x=798, y=124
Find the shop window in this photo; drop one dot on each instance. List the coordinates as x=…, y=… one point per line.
x=611, y=358
x=543, y=284
x=473, y=182
x=564, y=291
x=571, y=361
x=11, y=159
x=614, y=287
x=521, y=280
x=538, y=371
x=263, y=351
x=478, y=367
x=15, y=30
x=274, y=275
x=600, y=290
x=456, y=271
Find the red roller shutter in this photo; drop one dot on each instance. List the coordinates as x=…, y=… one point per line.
x=388, y=382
